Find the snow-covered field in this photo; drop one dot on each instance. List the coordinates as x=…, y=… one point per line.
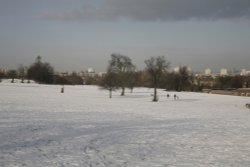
x=40, y=127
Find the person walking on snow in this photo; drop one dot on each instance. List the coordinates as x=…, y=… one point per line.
x=176, y=97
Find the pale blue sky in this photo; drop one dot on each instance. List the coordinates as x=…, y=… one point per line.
x=78, y=34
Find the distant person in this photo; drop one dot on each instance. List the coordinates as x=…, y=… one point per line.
x=62, y=89
x=176, y=97
x=168, y=96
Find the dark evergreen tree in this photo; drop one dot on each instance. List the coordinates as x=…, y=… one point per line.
x=12, y=74
x=223, y=82
x=237, y=81
x=184, y=79
x=41, y=72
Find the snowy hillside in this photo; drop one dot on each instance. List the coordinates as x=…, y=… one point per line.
x=39, y=126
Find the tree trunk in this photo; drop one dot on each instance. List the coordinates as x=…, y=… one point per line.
x=123, y=91
x=155, y=94
x=155, y=89
x=110, y=93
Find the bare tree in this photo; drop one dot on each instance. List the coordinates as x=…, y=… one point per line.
x=123, y=67
x=156, y=66
x=184, y=78
x=131, y=80
x=21, y=73
x=109, y=81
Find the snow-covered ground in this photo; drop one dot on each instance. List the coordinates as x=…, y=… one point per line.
x=39, y=126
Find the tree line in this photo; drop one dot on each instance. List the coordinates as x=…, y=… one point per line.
x=122, y=73
x=42, y=73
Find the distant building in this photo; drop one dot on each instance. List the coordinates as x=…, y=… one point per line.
x=2, y=70
x=190, y=71
x=101, y=74
x=223, y=72
x=243, y=72
x=63, y=74
x=208, y=72
x=91, y=70
x=177, y=70
x=81, y=73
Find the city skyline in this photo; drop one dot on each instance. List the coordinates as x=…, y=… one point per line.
x=79, y=34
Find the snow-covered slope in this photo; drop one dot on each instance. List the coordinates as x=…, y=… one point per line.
x=39, y=126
